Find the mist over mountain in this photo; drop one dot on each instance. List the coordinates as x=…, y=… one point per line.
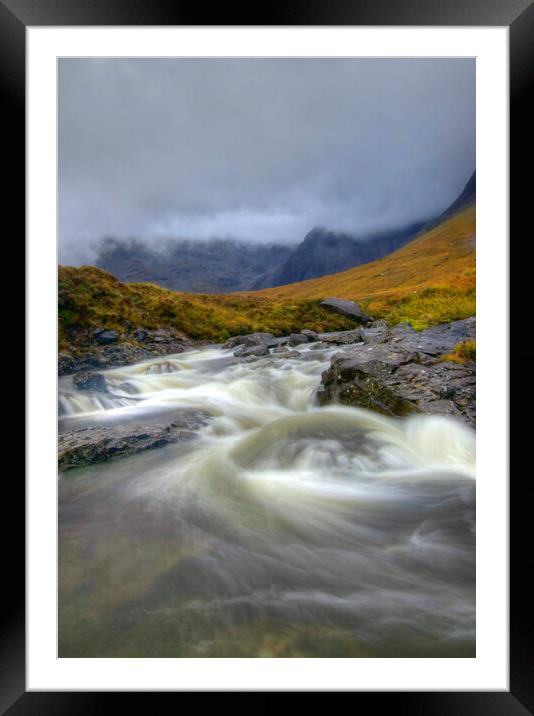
x=225, y=265
x=216, y=266
x=257, y=149
x=324, y=252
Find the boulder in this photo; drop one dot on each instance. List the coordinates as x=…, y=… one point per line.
x=434, y=341
x=296, y=339
x=244, y=352
x=88, y=380
x=347, y=308
x=319, y=346
x=342, y=337
x=124, y=353
x=404, y=374
x=104, y=338
x=311, y=335
x=88, y=446
x=252, y=339
x=376, y=334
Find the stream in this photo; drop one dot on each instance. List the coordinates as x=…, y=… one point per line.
x=283, y=529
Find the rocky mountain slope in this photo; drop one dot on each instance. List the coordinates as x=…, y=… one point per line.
x=325, y=252
x=430, y=280
x=466, y=198
x=218, y=266
x=104, y=322
x=226, y=266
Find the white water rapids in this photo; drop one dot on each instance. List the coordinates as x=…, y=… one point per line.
x=284, y=529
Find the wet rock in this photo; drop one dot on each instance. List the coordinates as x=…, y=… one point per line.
x=66, y=364
x=88, y=446
x=252, y=339
x=342, y=337
x=104, y=338
x=404, y=374
x=312, y=335
x=288, y=354
x=447, y=382
x=437, y=340
x=243, y=351
x=365, y=386
x=347, y=308
x=125, y=353
x=377, y=334
x=296, y=339
x=163, y=367
x=87, y=380
x=319, y=346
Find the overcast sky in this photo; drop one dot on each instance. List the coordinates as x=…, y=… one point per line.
x=262, y=150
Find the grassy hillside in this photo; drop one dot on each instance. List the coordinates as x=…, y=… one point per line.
x=90, y=297
x=430, y=280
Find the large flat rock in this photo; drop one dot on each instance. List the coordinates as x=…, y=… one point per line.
x=111, y=356
x=87, y=446
x=402, y=371
x=346, y=308
x=434, y=341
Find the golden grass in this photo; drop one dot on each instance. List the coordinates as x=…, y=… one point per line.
x=89, y=297
x=462, y=353
x=428, y=281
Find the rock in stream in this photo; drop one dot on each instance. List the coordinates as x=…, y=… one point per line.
x=401, y=371
x=87, y=446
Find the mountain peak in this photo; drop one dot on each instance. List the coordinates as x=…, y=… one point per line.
x=465, y=199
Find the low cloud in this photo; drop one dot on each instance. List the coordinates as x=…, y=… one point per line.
x=258, y=150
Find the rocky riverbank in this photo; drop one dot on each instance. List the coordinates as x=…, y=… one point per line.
x=87, y=446
x=103, y=348
x=394, y=371
x=402, y=371
x=108, y=349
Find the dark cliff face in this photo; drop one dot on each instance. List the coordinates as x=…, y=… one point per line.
x=466, y=198
x=325, y=252
x=219, y=266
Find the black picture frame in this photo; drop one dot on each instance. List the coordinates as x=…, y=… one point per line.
x=518, y=15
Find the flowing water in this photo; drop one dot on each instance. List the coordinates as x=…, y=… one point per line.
x=283, y=530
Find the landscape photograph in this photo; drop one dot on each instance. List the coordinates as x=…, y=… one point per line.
x=266, y=357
